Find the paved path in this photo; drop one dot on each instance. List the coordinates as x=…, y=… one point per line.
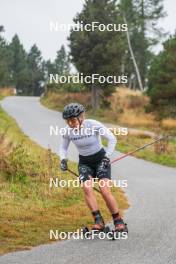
x=151, y=192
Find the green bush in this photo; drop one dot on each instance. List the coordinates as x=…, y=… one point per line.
x=67, y=87
x=162, y=78
x=19, y=165
x=73, y=88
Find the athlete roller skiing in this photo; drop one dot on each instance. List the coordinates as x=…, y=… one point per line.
x=94, y=161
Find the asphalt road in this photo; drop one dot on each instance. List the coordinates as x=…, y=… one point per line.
x=151, y=192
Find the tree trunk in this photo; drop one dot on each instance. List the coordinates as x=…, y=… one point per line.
x=133, y=58
x=142, y=61
x=95, y=97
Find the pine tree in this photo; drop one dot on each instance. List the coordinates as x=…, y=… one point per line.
x=98, y=52
x=142, y=17
x=61, y=63
x=5, y=78
x=18, y=65
x=35, y=71
x=1, y=29
x=149, y=12
x=162, y=77
x=50, y=67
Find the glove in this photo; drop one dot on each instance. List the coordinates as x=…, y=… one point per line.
x=106, y=161
x=63, y=165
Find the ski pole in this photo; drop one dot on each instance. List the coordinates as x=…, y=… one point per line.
x=75, y=174
x=126, y=155
x=134, y=151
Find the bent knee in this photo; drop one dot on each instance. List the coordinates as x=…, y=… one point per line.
x=104, y=188
x=87, y=187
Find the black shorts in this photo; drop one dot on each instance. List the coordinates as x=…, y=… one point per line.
x=93, y=166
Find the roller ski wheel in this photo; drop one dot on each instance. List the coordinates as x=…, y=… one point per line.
x=87, y=232
x=116, y=234
x=107, y=229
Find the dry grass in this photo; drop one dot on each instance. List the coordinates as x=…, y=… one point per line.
x=58, y=100
x=169, y=124
x=163, y=152
x=6, y=91
x=135, y=119
x=127, y=108
x=29, y=212
x=25, y=220
x=128, y=99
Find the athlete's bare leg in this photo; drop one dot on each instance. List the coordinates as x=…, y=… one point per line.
x=108, y=196
x=90, y=198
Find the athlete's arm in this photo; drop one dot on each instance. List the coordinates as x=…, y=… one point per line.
x=106, y=133
x=64, y=147
x=112, y=141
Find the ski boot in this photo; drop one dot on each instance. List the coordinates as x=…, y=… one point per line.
x=98, y=227
x=120, y=228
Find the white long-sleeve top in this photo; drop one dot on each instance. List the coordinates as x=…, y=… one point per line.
x=87, y=139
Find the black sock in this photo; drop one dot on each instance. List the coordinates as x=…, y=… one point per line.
x=97, y=216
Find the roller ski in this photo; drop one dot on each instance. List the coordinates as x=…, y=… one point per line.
x=97, y=229
x=120, y=230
